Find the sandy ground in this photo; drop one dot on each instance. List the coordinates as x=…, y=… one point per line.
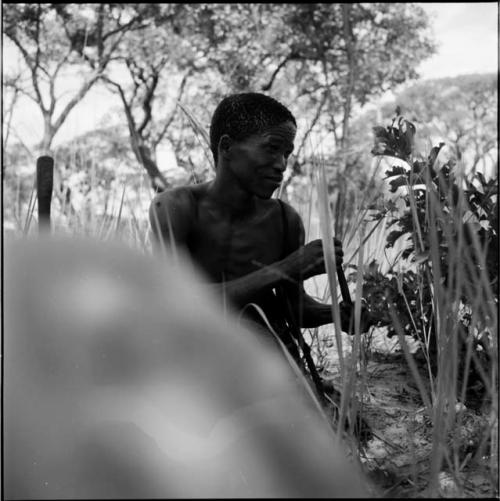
x=397, y=457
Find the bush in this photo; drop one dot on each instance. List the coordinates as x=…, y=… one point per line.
x=449, y=228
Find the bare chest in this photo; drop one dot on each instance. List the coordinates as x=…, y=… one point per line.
x=227, y=247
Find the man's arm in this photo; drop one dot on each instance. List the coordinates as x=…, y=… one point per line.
x=312, y=313
x=171, y=217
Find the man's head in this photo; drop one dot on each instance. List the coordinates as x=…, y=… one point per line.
x=242, y=115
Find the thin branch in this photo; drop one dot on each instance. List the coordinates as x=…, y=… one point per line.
x=75, y=100
x=269, y=84
x=25, y=93
x=37, y=39
x=52, y=104
x=126, y=106
x=125, y=27
x=105, y=60
x=146, y=103
x=60, y=64
x=10, y=113
x=24, y=52
x=334, y=128
x=160, y=136
x=32, y=68
x=87, y=85
x=100, y=25
x=313, y=123
x=129, y=65
x=141, y=151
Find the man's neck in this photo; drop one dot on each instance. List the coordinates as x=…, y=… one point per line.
x=232, y=197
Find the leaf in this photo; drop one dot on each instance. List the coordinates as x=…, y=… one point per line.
x=397, y=183
x=418, y=167
x=431, y=159
x=422, y=257
x=392, y=237
x=380, y=132
x=395, y=170
x=407, y=134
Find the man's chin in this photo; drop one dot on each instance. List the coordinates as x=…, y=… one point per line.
x=265, y=195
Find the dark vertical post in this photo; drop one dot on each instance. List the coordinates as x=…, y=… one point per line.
x=44, y=184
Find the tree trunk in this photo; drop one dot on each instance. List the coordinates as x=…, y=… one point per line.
x=62, y=192
x=48, y=136
x=141, y=151
x=143, y=155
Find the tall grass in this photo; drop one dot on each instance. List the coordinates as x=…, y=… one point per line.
x=462, y=279
x=362, y=241
x=441, y=388
x=350, y=228
x=456, y=352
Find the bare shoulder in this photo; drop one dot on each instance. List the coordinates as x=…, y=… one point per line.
x=179, y=196
x=295, y=227
x=174, y=208
x=179, y=199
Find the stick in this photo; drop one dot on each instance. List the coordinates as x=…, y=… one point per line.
x=344, y=289
x=44, y=185
x=306, y=350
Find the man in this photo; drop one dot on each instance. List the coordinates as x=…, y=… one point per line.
x=250, y=244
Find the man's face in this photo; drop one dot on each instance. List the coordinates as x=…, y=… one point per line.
x=259, y=161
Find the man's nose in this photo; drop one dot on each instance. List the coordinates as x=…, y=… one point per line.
x=280, y=163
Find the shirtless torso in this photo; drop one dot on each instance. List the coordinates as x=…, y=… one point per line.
x=239, y=236
x=227, y=245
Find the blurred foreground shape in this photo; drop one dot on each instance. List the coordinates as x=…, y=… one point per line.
x=123, y=380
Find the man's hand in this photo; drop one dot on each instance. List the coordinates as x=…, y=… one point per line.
x=308, y=261
x=347, y=318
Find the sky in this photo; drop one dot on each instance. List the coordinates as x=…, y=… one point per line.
x=467, y=36
x=466, y=33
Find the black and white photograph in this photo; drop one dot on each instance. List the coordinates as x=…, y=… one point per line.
x=249, y=250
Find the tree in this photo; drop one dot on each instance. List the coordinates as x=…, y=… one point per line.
x=334, y=59
x=56, y=39
x=322, y=60
x=213, y=42
x=52, y=38
x=346, y=54
x=149, y=57
x=461, y=111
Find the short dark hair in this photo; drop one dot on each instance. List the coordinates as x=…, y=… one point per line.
x=242, y=115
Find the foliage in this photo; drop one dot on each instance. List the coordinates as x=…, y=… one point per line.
x=210, y=50
x=55, y=38
x=462, y=110
x=349, y=53
x=339, y=57
x=449, y=225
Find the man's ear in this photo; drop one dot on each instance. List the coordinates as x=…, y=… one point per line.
x=225, y=143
